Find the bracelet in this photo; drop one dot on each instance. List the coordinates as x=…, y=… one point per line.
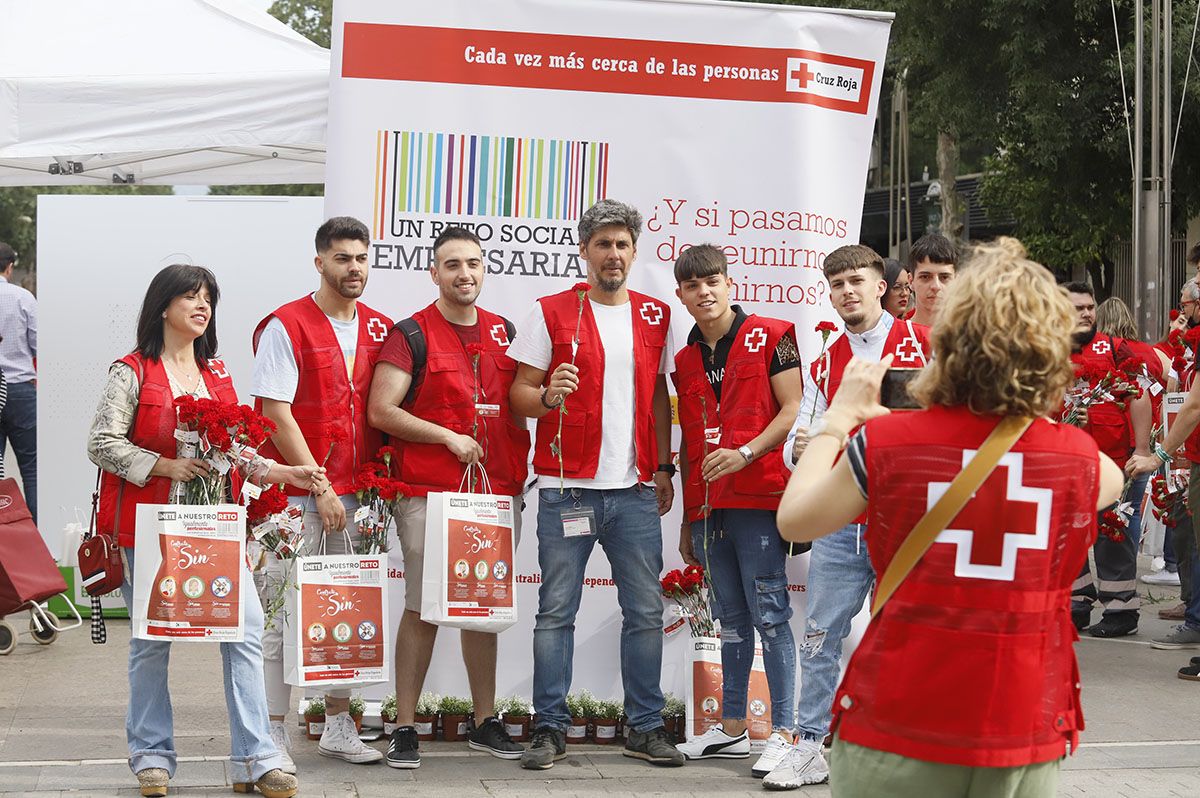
x=546, y=404
x=1162, y=454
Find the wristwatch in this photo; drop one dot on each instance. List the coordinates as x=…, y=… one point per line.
x=668, y=467
x=823, y=427
x=746, y=452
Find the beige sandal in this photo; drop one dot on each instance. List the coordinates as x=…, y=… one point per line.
x=273, y=784
x=153, y=782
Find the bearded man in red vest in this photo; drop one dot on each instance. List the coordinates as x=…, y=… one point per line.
x=839, y=569
x=1119, y=431
x=592, y=366
x=739, y=387
x=313, y=359
x=441, y=386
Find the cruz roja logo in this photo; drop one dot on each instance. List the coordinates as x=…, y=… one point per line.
x=835, y=81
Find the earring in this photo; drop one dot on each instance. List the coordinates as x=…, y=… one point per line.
x=164, y=315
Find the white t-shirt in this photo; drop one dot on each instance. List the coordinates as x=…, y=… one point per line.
x=276, y=375
x=617, y=467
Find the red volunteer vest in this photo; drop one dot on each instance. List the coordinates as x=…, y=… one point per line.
x=1108, y=422
x=446, y=397
x=908, y=343
x=971, y=661
x=746, y=393
x=327, y=403
x=584, y=419
x=154, y=430
x=1191, y=447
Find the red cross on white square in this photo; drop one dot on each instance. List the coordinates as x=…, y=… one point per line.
x=500, y=334
x=651, y=313
x=909, y=351
x=1022, y=513
x=217, y=367
x=1102, y=347
x=798, y=75
x=756, y=339
x=376, y=329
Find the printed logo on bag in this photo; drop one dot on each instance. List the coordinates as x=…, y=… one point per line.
x=1021, y=512
x=460, y=503
x=503, y=504
x=167, y=515
x=368, y=565
x=313, y=566
x=226, y=515
x=5, y=501
x=333, y=602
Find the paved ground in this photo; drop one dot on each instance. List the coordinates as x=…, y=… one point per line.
x=62, y=719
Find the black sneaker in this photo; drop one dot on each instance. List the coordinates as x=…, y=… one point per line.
x=547, y=746
x=1117, y=624
x=402, y=752
x=653, y=746
x=490, y=736
x=1081, y=617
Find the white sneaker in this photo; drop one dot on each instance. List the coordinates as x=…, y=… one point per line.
x=777, y=748
x=716, y=744
x=279, y=736
x=340, y=741
x=1161, y=577
x=803, y=764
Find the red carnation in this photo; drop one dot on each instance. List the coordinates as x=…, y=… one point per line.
x=581, y=288
x=475, y=349
x=826, y=327
x=1192, y=337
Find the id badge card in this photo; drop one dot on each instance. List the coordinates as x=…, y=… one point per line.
x=578, y=522
x=712, y=436
x=487, y=410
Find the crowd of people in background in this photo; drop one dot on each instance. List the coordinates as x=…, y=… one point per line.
x=999, y=597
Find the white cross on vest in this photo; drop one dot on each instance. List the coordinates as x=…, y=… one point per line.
x=376, y=329
x=756, y=339
x=217, y=367
x=1102, y=347
x=500, y=334
x=651, y=313
x=1022, y=511
x=909, y=350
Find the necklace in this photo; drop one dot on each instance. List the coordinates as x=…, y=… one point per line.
x=195, y=384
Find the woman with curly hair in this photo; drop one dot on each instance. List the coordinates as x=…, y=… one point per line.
x=965, y=682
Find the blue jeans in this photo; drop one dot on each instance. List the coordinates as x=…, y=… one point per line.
x=18, y=424
x=839, y=577
x=148, y=724
x=745, y=561
x=628, y=529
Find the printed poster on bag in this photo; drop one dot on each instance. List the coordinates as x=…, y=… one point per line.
x=479, y=557
x=189, y=561
x=704, y=700
x=1172, y=403
x=338, y=621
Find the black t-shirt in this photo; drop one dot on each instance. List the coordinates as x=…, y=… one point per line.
x=786, y=355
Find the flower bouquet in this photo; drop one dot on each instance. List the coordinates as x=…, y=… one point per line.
x=221, y=434
x=276, y=530
x=1101, y=386
x=687, y=589
x=378, y=495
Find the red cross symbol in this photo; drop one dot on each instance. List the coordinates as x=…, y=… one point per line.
x=217, y=367
x=376, y=329
x=756, y=339
x=1002, y=517
x=798, y=75
x=500, y=334
x=651, y=313
x=1102, y=347
x=909, y=351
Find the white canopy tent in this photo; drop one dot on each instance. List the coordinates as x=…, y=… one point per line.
x=164, y=92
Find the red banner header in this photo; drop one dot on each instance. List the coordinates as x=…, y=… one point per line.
x=611, y=66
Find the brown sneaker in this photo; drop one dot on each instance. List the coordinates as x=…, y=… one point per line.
x=273, y=784
x=1173, y=613
x=153, y=782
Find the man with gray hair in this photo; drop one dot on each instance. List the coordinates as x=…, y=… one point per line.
x=604, y=458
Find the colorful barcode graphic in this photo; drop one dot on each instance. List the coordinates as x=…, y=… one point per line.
x=471, y=175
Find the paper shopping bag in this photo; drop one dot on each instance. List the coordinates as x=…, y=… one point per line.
x=704, y=699
x=468, y=581
x=189, y=564
x=335, y=619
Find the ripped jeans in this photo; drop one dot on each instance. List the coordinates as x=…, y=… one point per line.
x=839, y=577
x=745, y=561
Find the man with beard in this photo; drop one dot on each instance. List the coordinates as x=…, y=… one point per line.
x=839, y=569
x=313, y=359
x=604, y=459
x=441, y=387
x=1118, y=431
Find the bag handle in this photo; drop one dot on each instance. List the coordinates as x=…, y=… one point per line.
x=95, y=508
x=969, y=480
x=467, y=485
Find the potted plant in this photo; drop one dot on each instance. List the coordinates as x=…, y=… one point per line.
x=314, y=718
x=604, y=722
x=455, y=711
x=387, y=714
x=581, y=705
x=426, y=715
x=515, y=711
x=357, y=708
x=674, y=713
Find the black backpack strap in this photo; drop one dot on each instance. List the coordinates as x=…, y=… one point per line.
x=420, y=350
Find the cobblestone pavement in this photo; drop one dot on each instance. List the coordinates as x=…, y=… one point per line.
x=62, y=719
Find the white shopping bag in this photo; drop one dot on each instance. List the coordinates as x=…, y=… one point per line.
x=335, y=621
x=468, y=580
x=189, y=572
x=704, y=680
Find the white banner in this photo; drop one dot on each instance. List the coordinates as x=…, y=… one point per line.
x=745, y=126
